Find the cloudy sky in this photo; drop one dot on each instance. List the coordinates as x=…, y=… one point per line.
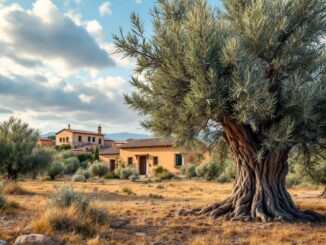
x=57, y=64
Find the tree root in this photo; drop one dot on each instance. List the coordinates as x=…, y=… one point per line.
x=224, y=210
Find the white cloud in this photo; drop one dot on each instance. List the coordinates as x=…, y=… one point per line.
x=95, y=29
x=44, y=33
x=138, y=1
x=110, y=86
x=69, y=88
x=85, y=98
x=105, y=9
x=74, y=16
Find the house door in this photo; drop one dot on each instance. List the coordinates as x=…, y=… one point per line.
x=112, y=165
x=142, y=165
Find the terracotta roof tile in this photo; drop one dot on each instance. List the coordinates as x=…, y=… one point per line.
x=149, y=142
x=110, y=151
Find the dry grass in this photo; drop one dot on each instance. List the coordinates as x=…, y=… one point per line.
x=13, y=188
x=156, y=220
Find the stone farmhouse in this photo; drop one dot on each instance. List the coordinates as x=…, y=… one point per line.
x=142, y=154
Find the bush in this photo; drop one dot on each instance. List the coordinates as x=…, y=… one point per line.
x=155, y=196
x=71, y=164
x=125, y=172
x=134, y=177
x=65, y=197
x=84, y=158
x=55, y=170
x=223, y=178
x=127, y=190
x=189, y=170
x=98, y=169
x=84, y=172
x=83, y=165
x=78, y=178
x=163, y=173
x=111, y=175
x=166, y=175
x=209, y=170
x=69, y=211
x=63, y=147
x=158, y=171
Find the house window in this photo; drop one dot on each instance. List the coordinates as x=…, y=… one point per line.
x=155, y=161
x=99, y=141
x=60, y=139
x=89, y=138
x=94, y=139
x=67, y=139
x=129, y=160
x=64, y=139
x=178, y=160
x=79, y=138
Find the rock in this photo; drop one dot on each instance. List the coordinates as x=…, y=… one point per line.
x=156, y=243
x=35, y=239
x=140, y=234
x=3, y=242
x=116, y=224
x=182, y=211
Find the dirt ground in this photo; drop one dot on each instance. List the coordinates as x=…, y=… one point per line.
x=152, y=210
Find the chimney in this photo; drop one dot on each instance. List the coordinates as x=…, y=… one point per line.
x=99, y=129
x=68, y=126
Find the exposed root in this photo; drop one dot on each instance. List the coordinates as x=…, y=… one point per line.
x=223, y=210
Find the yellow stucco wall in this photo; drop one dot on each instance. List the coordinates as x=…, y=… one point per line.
x=166, y=157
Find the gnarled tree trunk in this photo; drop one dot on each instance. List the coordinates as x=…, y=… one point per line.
x=323, y=194
x=259, y=191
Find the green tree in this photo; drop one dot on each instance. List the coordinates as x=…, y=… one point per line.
x=42, y=157
x=96, y=156
x=17, y=142
x=253, y=73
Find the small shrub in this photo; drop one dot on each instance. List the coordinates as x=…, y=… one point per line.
x=189, y=170
x=160, y=187
x=84, y=172
x=127, y=172
x=223, y=178
x=111, y=175
x=158, y=171
x=83, y=165
x=84, y=158
x=166, y=175
x=163, y=173
x=46, y=178
x=98, y=215
x=127, y=190
x=98, y=169
x=55, y=170
x=65, y=197
x=12, y=188
x=78, y=178
x=155, y=196
x=209, y=170
x=71, y=164
x=134, y=177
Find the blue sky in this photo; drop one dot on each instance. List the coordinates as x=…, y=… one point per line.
x=57, y=64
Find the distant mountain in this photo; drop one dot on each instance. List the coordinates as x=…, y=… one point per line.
x=115, y=136
x=125, y=136
x=45, y=135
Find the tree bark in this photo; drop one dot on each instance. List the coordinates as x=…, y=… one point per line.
x=259, y=191
x=323, y=194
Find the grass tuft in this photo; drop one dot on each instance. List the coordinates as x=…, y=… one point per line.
x=13, y=188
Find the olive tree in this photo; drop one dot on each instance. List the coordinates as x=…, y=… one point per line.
x=253, y=73
x=17, y=142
